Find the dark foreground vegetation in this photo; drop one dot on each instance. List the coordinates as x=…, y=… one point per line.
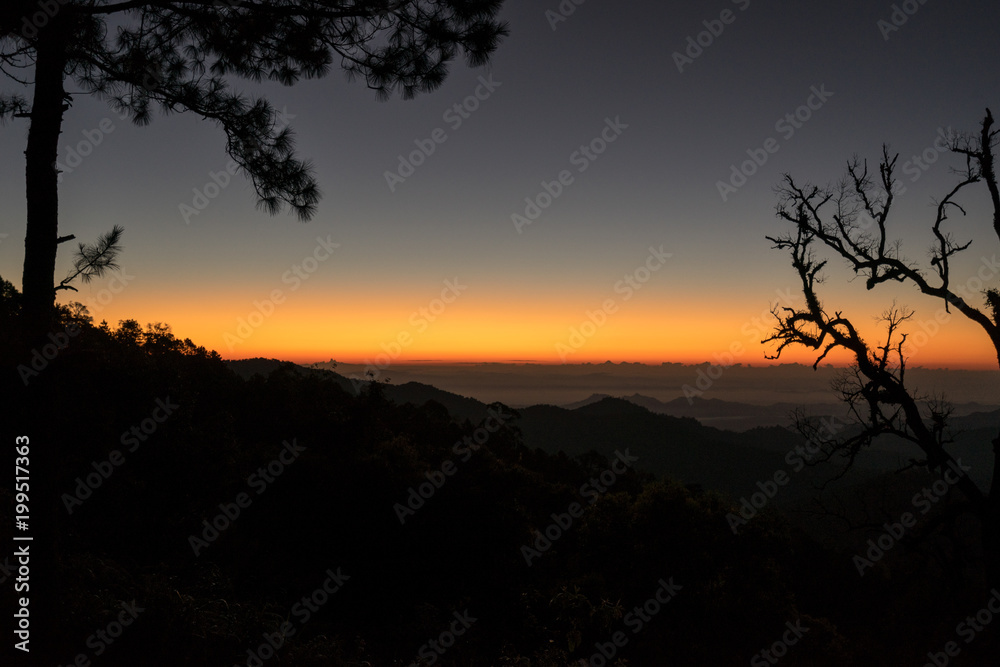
x=318, y=569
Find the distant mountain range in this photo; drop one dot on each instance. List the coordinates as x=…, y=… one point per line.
x=722, y=414
x=685, y=440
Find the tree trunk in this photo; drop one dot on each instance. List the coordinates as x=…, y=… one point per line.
x=38, y=289
x=991, y=521
x=41, y=181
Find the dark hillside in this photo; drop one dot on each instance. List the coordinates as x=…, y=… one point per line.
x=284, y=510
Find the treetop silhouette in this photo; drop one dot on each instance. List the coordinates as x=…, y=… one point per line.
x=851, y=220
x=180, y=55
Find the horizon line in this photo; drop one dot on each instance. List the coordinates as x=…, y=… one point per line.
x=650, y=364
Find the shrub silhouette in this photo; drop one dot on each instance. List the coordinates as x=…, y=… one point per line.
x=333, y=508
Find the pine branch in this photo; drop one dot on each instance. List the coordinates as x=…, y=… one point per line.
x=94, y=261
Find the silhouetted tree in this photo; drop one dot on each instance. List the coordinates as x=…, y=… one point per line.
x=93, y=261
x=851, y=220
x=10, y=301
x=180, y=54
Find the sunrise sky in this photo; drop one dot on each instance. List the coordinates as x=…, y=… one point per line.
x=430, y=265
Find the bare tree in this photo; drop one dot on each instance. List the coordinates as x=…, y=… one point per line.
x=851, y=219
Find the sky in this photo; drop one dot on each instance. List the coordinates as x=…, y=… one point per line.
x=609, y=120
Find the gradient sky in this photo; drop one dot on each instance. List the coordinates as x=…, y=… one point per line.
x=521, y=294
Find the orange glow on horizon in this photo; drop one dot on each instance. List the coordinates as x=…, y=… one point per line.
x=304, y=331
